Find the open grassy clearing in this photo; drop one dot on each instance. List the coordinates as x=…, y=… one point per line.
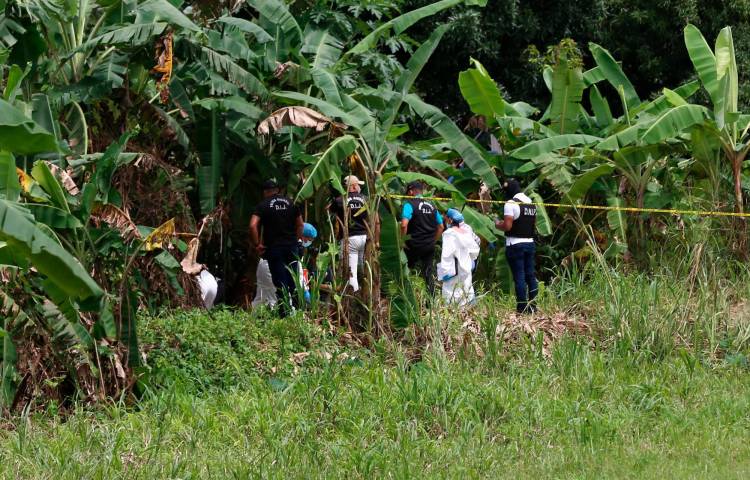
x=230, y=399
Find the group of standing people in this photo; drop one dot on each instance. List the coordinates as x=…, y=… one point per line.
x=279, y=234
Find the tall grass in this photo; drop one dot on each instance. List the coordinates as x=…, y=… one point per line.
x=657, y=388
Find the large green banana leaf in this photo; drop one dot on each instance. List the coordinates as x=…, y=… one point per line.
x=246, y=26
x=543, y=222
x=546, y=145
x=327, y=166
x=443, y=125
x=674, y=121
x=402, y=22
x=567, y=90
x=727, y=76
x=481, y=92
x=20, y=231
x=209, y=174
x=600, y=106
x=703, y=60
x=20, y=134
x=277, y=13
x=582, y=184
x=150, y=10
x=10, y=189
x=323, y=47
x=614, y=74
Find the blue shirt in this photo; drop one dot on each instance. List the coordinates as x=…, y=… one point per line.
x=408, y=211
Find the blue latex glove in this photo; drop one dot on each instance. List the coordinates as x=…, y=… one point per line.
x=307, y=296
x=473, y=265
x=447, y=277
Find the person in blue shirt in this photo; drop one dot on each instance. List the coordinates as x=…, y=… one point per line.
x=423, y=224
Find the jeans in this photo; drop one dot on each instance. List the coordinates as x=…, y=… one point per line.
x=282, y=261
x=521, y=261
x=423, y=260
x=356, y=252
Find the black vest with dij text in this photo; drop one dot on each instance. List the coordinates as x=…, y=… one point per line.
x=423, y=224
x=525, y=225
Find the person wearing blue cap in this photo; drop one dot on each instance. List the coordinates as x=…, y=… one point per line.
x=459, y=254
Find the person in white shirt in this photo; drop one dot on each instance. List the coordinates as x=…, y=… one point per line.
x=459, y=253
x=519, y=225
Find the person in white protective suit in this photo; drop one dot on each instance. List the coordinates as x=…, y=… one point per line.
x=460, y=251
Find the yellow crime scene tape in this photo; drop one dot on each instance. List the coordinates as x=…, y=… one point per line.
x=697, y=213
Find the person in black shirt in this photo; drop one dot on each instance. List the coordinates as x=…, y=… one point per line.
x=424, y=225
x=356, y=221
x=282, y=226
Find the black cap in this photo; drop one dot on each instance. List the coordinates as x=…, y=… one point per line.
x=270, y=184
x=415, y=185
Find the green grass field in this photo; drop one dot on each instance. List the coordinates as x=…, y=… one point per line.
x=580, y=414
x=228, y=398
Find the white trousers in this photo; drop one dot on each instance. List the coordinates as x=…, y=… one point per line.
x=265, y=292
x=356, y=252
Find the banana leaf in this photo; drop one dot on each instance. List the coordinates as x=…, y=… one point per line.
x=567, y=91
x=246, y=26
x=443, y=125
x=327, y=166
x=543, y=223
x=277, y=13
x=546, y=145
x=407, y=177
x=703, y=60
x=481, y=93
x=675, y=121
x=600, y=106
x=482, y=224
x=20, y=134
x=43, y=175
x=614, y=74
x=582, y=184
x=23, y=235
x=393, y=267
x=10, y=189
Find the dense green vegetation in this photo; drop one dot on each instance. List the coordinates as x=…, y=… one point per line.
x=133, y=140
x=237, y=394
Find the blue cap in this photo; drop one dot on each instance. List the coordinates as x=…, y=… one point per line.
x=454, y=215
x=309, y=231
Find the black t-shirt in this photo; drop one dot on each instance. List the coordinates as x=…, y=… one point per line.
x=422, y=225
x=278, y=217
x=357, y=215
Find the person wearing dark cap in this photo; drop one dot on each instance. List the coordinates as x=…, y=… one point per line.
x=422, y=222
x=519, y=225
x=282, y=226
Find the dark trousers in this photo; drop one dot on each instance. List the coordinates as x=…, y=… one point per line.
x=282, y=262
x=521, y=261
x=423, y=260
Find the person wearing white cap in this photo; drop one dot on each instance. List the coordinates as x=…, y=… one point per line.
x=459, y=254
x=356, y=222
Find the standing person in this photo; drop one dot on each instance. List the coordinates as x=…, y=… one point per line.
x=424, y=225
x=282, y=227
x=458, y=257
x=265, y=290
x=519, y=225
x=356, y=203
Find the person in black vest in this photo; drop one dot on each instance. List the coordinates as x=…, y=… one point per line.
x=519, y=225
x=282, y=226
x=424, y=225
x=356, y=204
